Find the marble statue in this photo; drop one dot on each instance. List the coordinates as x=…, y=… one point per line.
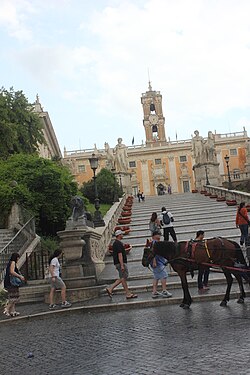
x=210, y=148
x=198, y=148
x=109, y=156
x=121, y=156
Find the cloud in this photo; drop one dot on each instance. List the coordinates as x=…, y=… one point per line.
x=13, y=17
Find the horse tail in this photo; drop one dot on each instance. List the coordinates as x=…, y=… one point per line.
x=239, y=254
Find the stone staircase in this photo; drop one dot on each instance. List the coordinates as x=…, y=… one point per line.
x=191, y=213
x=5, y=236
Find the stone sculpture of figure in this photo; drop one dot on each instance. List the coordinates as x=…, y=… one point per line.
x=209, y=148
x=121, y=156
x=78, y=208
x=109, y=156
x=198, y=148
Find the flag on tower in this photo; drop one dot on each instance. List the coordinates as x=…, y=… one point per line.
x=133, y=141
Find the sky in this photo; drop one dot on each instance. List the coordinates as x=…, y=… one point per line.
x=89, y=62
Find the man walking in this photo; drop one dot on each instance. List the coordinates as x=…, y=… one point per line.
x=203, y=273
x=120, y=262
x=167, y=220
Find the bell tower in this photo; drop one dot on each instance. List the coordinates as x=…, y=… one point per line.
x=153, y=120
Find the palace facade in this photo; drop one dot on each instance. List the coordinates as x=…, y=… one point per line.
x=159, y=162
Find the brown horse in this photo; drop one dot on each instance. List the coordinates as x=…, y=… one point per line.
x=219, y=251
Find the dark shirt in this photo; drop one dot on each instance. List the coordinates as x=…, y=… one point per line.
x=7, y=283
x=119, y=248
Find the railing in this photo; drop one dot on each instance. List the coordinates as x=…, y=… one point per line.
x=236, y=176
x=239, y=196
x=21, y=240
x=36, y=264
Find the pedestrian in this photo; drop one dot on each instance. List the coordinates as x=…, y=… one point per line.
x=158, y=265
x=169, y=189
x=154, y=223
x=120, y=262
x=142, y=196
x=139, y=196
x=166, y=221
x=12, y=286
x=56, y=281
x=242, y=222
x=203, y=272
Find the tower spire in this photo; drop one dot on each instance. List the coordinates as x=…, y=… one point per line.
x=149, y=82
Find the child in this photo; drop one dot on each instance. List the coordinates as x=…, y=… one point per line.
x=158, y=265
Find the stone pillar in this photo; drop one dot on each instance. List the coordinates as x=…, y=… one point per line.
x=200, y=174
x=145, y=177
x=172, y=174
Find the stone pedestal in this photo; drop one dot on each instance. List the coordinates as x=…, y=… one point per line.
x=212, y=173
x=81, y=252
x=124, y=178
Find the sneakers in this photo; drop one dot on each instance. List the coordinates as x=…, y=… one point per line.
x=166, y=294
x=66, y=304
x=52, y=307
x=156, y=295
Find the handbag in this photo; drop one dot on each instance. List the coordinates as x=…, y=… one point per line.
x=15, y=281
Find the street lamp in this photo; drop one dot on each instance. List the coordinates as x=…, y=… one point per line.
x=120, y=177
x=98, y=220
x=228, y=172
x=116, y=198
x=207, y=183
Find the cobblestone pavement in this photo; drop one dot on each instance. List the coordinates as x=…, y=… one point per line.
x=165, y=340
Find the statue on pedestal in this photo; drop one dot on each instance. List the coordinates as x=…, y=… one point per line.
x=109, y=156
x=210, y=148
x=198, y=148
x=121, y=157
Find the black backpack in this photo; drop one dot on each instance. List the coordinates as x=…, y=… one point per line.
x=165, y=218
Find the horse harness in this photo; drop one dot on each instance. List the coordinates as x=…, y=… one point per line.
x=191, y=248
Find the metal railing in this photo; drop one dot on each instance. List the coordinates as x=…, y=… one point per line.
x=36, y=263
x=20, y=241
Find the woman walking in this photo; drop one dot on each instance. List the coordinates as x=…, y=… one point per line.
x=242, y=222
x=13, y=290
x=55, y=280
x=154, y=224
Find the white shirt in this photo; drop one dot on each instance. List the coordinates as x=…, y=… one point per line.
x=56, y=267
x=161, y=219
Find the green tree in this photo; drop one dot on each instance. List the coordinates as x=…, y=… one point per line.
x=43, y=186
x=20, y=127
x=107, y=186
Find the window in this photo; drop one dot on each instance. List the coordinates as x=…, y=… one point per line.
x=132, y=164
x=183, y=158
x=81, y=168
x=157, y=161
x=233, y=151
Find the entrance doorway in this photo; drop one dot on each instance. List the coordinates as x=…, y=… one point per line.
x=186, y=187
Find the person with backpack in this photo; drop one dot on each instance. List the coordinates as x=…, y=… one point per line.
x=154, y=224
x=158, y=265
x=242, y=222
x=166, y=221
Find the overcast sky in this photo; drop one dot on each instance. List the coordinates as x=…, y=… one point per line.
x=88, y=60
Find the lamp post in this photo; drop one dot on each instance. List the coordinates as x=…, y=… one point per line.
x=120, y=177
x=98, y=220
x=116, y=198
x=207, y=180
x=228, y=172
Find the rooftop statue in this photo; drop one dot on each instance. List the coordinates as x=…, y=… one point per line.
x=121, y=157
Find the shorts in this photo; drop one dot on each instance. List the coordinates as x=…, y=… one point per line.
x=124, y=274
x=57, y=284
x=160, y=273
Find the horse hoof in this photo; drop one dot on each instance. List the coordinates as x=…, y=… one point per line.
x=223, y=303
x=185, y=307
x=240, y=300
x=182, y=304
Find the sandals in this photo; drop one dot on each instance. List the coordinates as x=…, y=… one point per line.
x=109, y=293
x=132, y=296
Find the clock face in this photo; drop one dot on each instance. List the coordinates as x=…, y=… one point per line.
x=153, y=119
